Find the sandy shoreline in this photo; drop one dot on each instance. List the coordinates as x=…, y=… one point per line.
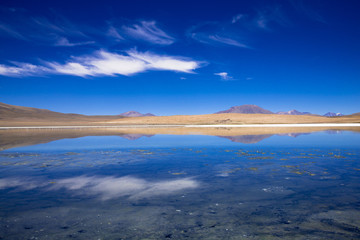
x=195, y=126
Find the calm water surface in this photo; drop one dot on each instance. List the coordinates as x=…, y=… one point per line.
x=292, y=186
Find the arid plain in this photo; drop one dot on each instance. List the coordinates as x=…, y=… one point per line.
x=43, y=126
x=17, y=116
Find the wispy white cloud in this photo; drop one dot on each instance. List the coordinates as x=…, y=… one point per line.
x=110, y=64
x=240, y=29
x=57, y=30
x=170, y=63
x=4, y=28
x=224, y=76
x=148, y=31
x=103, y=63
x=105, y=188
x=100, y=63
x=42, y=30
x=61, y=26
x=227, y=41
x=22, y=70
x=301, y=7
x=261, y=22
x=211, y=33
x=236, y=18
x=269, y=17
x=217, y=40
x=113, y=33
x=64, y=42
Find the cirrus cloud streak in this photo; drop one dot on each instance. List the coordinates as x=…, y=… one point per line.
x=149, y=32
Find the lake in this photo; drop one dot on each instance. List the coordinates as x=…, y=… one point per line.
x=70, y=184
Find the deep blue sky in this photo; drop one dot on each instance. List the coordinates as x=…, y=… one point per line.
x=180, y=57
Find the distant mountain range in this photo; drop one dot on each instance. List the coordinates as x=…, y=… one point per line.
x=254, y=109
x=293, y=112
x=331, y=114
x=246, y=109
x=136, y=114
x=8, y=111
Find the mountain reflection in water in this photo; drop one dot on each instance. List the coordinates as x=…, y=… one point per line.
x=247, y=139
x=27, y=137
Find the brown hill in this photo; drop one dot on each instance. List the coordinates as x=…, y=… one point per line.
x=8, y=111
x=12, y=111
x=17, y=115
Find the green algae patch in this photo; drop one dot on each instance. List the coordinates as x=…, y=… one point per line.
x=177, y=173
x=71, y=153
x=289, y=166
x=260, y=158
x=232, y=170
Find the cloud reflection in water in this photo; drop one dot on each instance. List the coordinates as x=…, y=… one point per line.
x=105, y=187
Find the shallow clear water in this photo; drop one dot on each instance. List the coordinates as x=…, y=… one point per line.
x=183, y=187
